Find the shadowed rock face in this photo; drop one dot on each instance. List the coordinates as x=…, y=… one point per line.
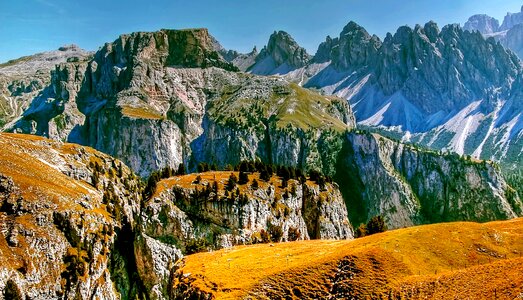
x=23, y=79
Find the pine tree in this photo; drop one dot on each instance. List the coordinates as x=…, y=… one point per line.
x=255, y=184
x=181, y=170
x=243, y=178
x=231, y=183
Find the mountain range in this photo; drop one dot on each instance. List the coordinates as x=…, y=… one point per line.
x=76, y=200
x=449, y=89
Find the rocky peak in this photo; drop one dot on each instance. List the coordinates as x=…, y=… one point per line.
x=512, y=19
x=283, y=49
x=453, y=65
x=193, y=48
x=354, y=48
x=482, y=23
x=431, y=31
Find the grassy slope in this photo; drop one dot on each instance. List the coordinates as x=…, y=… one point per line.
x=301, y=108
x=441, y=261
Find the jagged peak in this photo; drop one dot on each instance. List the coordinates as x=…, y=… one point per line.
x=193, y=47
x=353, y=26
x=285, y=50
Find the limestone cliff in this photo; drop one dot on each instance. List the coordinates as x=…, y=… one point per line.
x=67, y=214
x=412, y=186
x=26, y=78
x=186, y=211
x=152, y=101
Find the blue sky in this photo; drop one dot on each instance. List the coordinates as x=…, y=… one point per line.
x=29, y=26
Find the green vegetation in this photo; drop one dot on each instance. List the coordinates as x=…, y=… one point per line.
x=289, y=107
x=375, y=225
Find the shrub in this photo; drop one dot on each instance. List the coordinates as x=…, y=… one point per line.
x=275, y=233
x=376, y=225
x=293, y=234
x=231, y=183
x=361, y=231
x=255, y=184
x=196, y=246
x=203, y=167
x=265, y=236
x=181, y=170
x=198, y=179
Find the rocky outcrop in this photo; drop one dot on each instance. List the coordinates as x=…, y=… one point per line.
x=422, y=84
x=54, y=112
x=353, y=49
x=281, y=55
x=411, y=186
x=511, y=20
x=483, y=23
x=184, y=213
x=66, y=216
x=24, y=79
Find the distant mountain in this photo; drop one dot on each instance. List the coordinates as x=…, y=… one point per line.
x=448, y=89
x=482, y=23
x=509, y=33
x=23, y=79
x=511, y=20
x=281, y=55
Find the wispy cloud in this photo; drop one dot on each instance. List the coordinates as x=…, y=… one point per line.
x=59, y=9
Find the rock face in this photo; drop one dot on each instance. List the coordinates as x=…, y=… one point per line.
x=281, y=55
x=482, y=23
x=411, y=186
x=184, y=213
x=448, y=89
x=168, y=103
x=355, y=48
x=67, y=214
x=24, y=79
x=509, y=34
x=511, y=20
x=70, y=223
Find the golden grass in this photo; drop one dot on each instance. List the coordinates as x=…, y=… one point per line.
x=19, y=157
x=222, y=177
x=387, y=261
x=141, y=113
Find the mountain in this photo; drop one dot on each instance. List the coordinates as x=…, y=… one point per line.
x=23, y=79
x=72, y=216
x=152, y=101
x=281, y=55
x=77, y=223
x=482, y=23
x=509, y=33
x=446, y=89
x=443, y=261
x=511, y=20
x=61, y=236
x=169, y=104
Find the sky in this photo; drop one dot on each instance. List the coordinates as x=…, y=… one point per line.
x=31, y=26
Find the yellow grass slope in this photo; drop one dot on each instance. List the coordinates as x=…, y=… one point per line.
x=442, y=261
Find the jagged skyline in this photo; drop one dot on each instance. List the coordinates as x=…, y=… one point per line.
x=47, y=24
